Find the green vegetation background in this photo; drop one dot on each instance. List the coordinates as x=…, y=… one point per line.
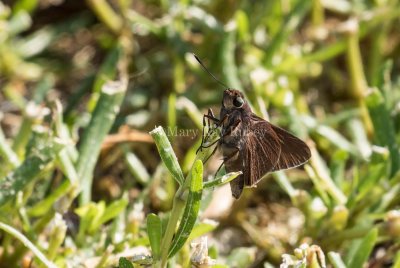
x=83, y=82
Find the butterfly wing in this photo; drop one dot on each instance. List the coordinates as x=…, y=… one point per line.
x=269, y=148
x=257, y=153
x=294, y=151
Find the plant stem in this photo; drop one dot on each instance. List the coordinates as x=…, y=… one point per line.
x=177, y=209
x=24, y=240
x=317, y=12
x=106, y=14
x=358, y=82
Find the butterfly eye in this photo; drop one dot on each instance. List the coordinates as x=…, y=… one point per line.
x=238, y=102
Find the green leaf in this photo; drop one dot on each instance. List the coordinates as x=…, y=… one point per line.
x=191, y=209
x=242, y=21
x=112, y=211
x=167, y=153
x=154, y=231
x=43, y=206
x=20, y=22
x=227, y=55
x=124, y=263
x=143, y=260
x=336, y=260
x=283, y=181
x=191, y=110
x=359, y=137
x=100, y=124
x=42, y=88
x=221, y=180
x=41, y=153
x=397, y=260
x=337, y=166
x=385, y=133
x=93, y=215
x=332, y=136
x=25, y=6
x=323, y=180
x=362, y=249
x=136, y=167
x=202, y=228
x=241, y=257
x=146, y=23
x=370, y=180
x=7, y=153
x=89, y=214
x=107, y=70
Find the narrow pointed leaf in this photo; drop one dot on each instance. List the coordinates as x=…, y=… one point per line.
x=154, y=231
x=363, y=249
x=191, y=210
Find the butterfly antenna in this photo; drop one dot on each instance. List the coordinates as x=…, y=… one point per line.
x=205, y=69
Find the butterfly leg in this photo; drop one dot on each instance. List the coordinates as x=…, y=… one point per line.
x=217, y=123
x=209, y=145
x=209, y=156
x=210, y=117
x=202, y=135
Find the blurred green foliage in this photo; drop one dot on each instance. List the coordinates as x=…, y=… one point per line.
x=83, y=82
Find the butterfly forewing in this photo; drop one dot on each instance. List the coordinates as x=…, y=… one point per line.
x=294, y=151
x=262, y=149
x=270, y=148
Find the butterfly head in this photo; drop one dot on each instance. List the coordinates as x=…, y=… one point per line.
x=234, y=99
